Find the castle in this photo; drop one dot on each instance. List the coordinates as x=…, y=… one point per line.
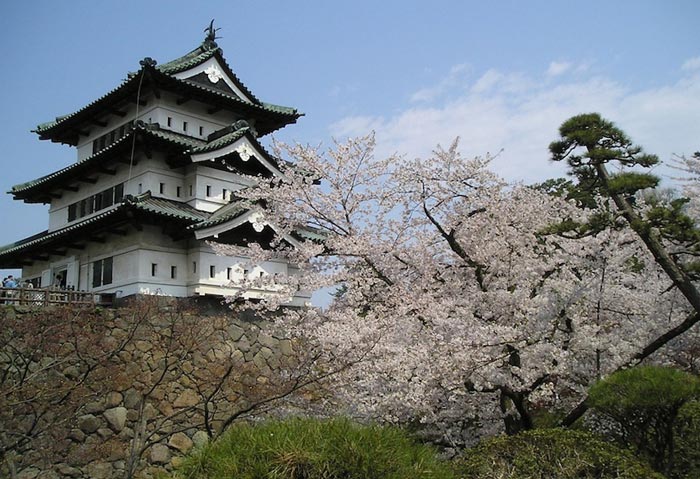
x=159, y=161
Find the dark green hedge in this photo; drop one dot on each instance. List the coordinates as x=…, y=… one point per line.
x=549, y=454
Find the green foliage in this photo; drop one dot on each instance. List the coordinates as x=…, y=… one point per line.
x=687, y=440
x=629, y=183
x=310, y=449
x=647, y=388
x=551, y=453
x=569, y=228
x=563, y=188
x=589, y=141
x=644, y=403
x=673, y=223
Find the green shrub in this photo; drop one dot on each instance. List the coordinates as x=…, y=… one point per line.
x=687, y=441
x=644, y=403
x=551, y=453
x=312, y=449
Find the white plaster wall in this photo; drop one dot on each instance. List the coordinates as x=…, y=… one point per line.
x=218, y=180
x=133, y=255
x=196, y=114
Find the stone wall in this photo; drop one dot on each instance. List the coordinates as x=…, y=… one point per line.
x=163, y=380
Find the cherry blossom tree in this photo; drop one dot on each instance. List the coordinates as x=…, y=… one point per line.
x=457, y=302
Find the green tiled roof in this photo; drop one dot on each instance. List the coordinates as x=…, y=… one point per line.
x=42, y=127
x=157, y=206
x=221, y=142
x=164, y=207
x=45, y=236
x=223, y=214
x=282, y=110
x=196, y=57
x=150, y=130
x=176, y=138
x=130, y=85
x=199, y=55
x=287, y=110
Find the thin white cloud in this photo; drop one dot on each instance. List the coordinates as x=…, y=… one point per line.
x=521, y=115
x=456, y=77
x=691, y=64
x=558, y=68
x=487, y=81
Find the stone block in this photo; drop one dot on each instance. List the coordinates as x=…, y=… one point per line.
x=99, y=470
x=186, y=399
x=200, y=438
x=131, y=398
x=181, y=442
x=143, y=346
x=71, y=372
x=88, y=423
x=286, y=347
x=94, y=407
x=243, y=344
x=68, y=471
x=113, y=399
x=268, y=341
x=235, y=332
x=116, y=418
x=76, y=435
x=160, y=454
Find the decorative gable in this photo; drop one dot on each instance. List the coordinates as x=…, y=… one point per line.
x=213, y=75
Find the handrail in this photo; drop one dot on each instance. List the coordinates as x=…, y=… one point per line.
x=47, y=296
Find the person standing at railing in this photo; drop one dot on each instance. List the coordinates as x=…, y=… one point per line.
x=10, y=283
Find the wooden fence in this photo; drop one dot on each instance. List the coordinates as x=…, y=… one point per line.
x=51, y=296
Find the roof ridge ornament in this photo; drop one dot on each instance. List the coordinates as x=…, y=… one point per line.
x=210, y=39
x=148, y=61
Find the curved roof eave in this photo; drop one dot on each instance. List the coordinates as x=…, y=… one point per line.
x=52, y=130
x=156, y=206
x=163, y=135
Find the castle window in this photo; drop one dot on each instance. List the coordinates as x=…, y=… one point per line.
x=190, y=190
x=107, y=197
x=72, y=212
x=208, y=190
x=224, y=194
x=212, y=271
x=162, y=188
x=154, y=269
x=228, y=273
x=119, y=192
x=173, y=272
x=184, y=126
x=140, y=190
x=96, y=202
x=201, y=131
x=178, y=191
x=102, y=272
x=194, y=266
x=170, y=121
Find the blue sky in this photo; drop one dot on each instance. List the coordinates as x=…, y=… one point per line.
x=502, y=75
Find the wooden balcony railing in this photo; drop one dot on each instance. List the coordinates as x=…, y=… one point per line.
x=51, y=296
